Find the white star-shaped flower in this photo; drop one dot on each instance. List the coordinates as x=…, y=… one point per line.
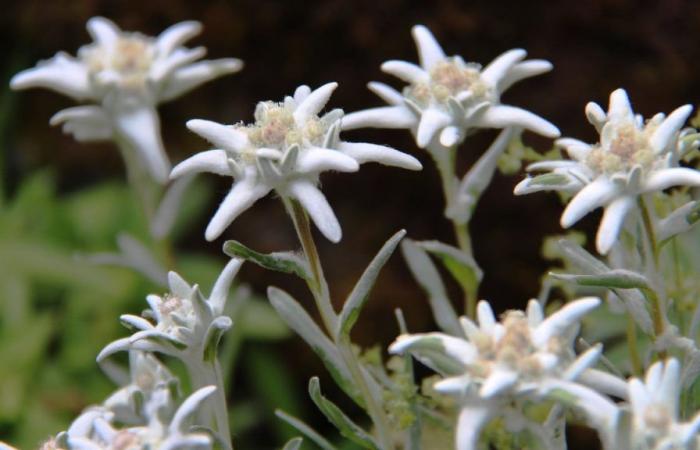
x=446, y=97
x=524, y=356
x=123, y=76
x=654, y=406
x=633, y=157
x=182, y=322
x=284, y=150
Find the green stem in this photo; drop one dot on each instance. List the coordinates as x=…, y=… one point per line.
x=635, y=359
x=204, y=374
x=445, y=161
x=319, y=288
x=651, y=294
x=145, y=189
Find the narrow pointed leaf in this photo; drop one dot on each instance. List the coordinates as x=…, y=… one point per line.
x=306, y=430
x=293, y=444
x=360, y=293
x=337, y=417
x=286, y=262
x=461, y=266
x=615, y=279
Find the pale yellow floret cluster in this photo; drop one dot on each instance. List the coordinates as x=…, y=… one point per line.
x=276, y=128
x=514, y=350
x=175, y=312
x=131, y=58
x=447, y=78
x=628, y=146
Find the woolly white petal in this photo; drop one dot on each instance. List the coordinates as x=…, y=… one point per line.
x=535, y=315
x=211, y=161
x=669, y=127
x=499, y=381
x=363, y=152
x=429, y=50
x=223, y=136
x=501, y=116
x=522, y=70
x=85, y=123
x=484, y=314
x=140, y=127
x=431, y=121
x=189, y=77
x=619, y=107
x=551, y=165
x=406, y=71
x=456, y=348
x=103, y=31
x=611, y=223
x=472, y=419
x=583, y=362
x=453, y=385
x=62, y=73
x=595, y=115
x=178, y=285
x=604, y=382
x=383, y=117
x=557, y=323
x=318, y=208
x=162, y=69
x=188, y=408
x=450, y=136
x=241, y=197
x=602, y=412
x=499, y=67
x=598, y=193
x=675, y=176
x=301, y=92
x=313, y=103
x=219, y=292
x=638, y=396
x=386, y=92
x=316, y=159
x=176, y=35
x=669, y=387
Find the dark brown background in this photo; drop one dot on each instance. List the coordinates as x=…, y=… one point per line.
x=650, y=48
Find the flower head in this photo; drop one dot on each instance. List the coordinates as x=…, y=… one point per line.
x=447, y=97
x=524, y=356
x=633, y=157
x=654, y=407
x=124, y=75
x=285, y=150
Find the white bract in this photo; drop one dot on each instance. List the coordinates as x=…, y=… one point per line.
x=183, y=323
x=124, y=75
x=633, y=157
x=654, y=422
x=447, y=97
x=284, y=150
x=524, y=356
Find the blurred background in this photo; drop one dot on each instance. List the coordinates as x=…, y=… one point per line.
x=60, y=197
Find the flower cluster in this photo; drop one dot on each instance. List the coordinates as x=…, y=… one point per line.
x=142, y=414
x=524, y=356
x=284, y=150
x=124, y=76
x=447, y=97
x=633, y=157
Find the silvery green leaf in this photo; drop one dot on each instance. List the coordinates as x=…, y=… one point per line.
x=287, y=262
x=461, y=266
x=289, y=160
x=426, y=274
x=337, y=417
x=213, y=335
x=477, y=179
x=298, y=320
x=581, y=258
x=360, y=293
x=293, y=444
x=306, y=430
x=679, y=221
x=614, y=279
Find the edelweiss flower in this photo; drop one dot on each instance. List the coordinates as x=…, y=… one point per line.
x=285, y=150
x=633, y=157
x=125, y=75
x=447, y=97
x=184, y=322
x=654, y=422
x=525, y=356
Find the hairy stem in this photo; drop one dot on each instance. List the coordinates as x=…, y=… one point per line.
x=321, y=294
x=635, y=359
x=651, y=294
x=204, y=373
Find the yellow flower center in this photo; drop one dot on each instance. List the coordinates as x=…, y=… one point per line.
x=448, y=78
x=131, y=58
x=627, y=147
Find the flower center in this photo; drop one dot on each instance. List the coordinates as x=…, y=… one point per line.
x=131, y=58
x=175, y=313
x=125, y=440
x=448, y=78
x=657, y=417
x=276, y=128
x=623, y=146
